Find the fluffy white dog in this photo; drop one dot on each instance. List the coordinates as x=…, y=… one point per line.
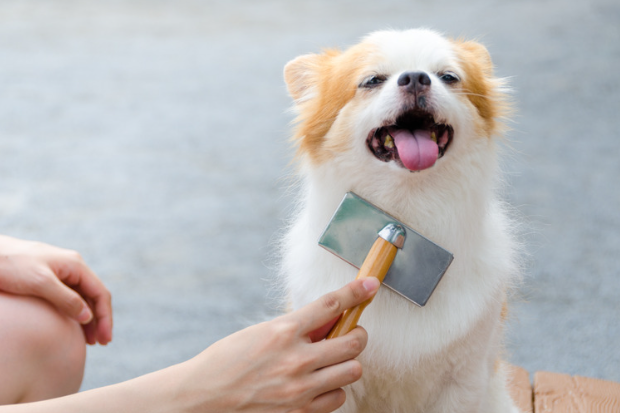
x=408, y=120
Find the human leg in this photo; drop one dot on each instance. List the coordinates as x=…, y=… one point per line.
x=42, y=352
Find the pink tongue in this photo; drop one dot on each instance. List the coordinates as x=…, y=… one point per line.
x=417, y=151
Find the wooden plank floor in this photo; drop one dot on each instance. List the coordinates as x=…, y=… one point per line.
x=561, y=393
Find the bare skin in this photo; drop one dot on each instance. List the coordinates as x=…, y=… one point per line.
x=42, y=352
x=277, y=366
x=51, y=305
x=62, y=278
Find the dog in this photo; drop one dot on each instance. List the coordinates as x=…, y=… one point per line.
x=410, y=120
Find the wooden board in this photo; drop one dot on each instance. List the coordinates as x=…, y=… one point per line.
x=561, y=393
x=520, y=388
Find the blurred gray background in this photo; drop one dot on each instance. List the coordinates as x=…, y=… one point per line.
x=152, y=137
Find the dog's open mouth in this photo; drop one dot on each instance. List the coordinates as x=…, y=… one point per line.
x=415, y=141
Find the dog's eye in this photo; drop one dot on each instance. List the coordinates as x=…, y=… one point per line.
x=449, y=78
x=373, y=81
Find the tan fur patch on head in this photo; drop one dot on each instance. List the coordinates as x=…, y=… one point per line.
x=481, y=88
x=322, y=84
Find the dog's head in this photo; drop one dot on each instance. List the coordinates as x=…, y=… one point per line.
x=405, y=98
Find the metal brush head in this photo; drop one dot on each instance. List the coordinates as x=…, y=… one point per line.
x=418, y=266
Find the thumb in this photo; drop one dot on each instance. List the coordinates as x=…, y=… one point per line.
x=66, y=300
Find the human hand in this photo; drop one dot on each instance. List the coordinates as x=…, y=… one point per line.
x=279, y=365
x=61, y=277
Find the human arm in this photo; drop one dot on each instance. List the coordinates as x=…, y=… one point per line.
x=61, y=277
x=276, y=366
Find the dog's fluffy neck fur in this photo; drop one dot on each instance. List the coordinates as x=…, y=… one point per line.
x=458, y=218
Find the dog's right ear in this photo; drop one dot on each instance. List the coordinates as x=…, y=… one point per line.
x=300, y=75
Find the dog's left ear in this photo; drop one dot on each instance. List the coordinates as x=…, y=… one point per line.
x=300, y=75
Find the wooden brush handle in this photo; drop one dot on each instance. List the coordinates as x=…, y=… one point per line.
x=376, y=264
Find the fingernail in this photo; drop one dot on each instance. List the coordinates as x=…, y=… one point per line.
x=371, y=284
x=85, y=316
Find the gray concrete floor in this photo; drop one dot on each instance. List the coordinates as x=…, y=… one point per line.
x=152, y=137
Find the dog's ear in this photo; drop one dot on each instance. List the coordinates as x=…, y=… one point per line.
x=486, y=92
x=321, y=85
x=300, y=75
x=476, y=52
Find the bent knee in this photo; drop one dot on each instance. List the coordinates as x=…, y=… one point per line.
x=44, y=351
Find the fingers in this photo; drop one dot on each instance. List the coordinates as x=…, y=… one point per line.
x=73, y=271
x=339, y=349
x=103, y=312
x=321, y=332
x=331, y=305
x=61, y=277
x=100, y=301
x=66, y=300
x=90, y=332
x=328, y=402
x=336, y=376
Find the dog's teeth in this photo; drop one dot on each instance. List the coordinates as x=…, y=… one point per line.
x=389, y=142
x=434, y=137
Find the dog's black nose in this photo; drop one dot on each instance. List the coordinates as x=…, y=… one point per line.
x=414, y=80
x=416, y=84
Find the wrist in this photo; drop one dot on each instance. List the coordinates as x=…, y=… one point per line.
x=183, y=388
x=155, y=392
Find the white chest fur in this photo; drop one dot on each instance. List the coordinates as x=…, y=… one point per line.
x=414, y=353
